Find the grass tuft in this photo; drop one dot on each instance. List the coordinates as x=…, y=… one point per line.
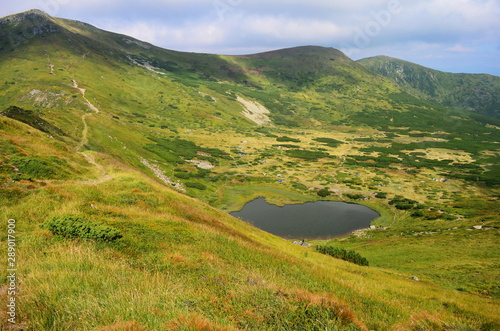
x=123, y=326
x=195, y=322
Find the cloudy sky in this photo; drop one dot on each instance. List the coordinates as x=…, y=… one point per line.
x=448, y=35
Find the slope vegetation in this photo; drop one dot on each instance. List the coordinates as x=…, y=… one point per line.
x=180, y=264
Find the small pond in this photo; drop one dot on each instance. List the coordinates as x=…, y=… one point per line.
x=312, y=220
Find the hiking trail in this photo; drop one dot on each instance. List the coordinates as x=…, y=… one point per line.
x=82, y=91
x=84, y=140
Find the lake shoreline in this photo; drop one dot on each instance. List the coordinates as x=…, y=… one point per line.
x=317, y=220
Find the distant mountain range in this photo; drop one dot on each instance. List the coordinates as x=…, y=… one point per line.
x=296, y=68
x=479, y=93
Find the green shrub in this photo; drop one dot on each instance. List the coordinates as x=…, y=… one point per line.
x=182, y=175
x=354, y=196
x=266, y=132
x=38, y=167
x=287, y=146
x=403, y=203
x=418, y=213
x=403, y=206
x=449, y=217
x=323, y=192
x=78, y=227
x=287, y=139
x=340, y=253
x=307, y=155
x=284, y=120
x=198, y=186
x=329, y=142
x=300, y=186
x=176, y=150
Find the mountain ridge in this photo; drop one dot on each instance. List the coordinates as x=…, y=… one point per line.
x=483, y=101
x=41, y=15
x=389, y=58
x=474, y=92
x=303, y=66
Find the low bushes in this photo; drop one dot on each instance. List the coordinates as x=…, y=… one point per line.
x=38, y=167
x=404, y=203
x=307, y=155
x=329, y=142
x=78, y=227
x=300, y=186
x=287, y=139
x=323, y=192
x=340, y=253
x=177, y=150
x=196, y=185
x=354, y=196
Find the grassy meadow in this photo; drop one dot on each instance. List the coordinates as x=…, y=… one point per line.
x=181, y=264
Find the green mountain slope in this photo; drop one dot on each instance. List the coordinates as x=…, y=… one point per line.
x=479, y=93
x=180, y=264
x=119, y=160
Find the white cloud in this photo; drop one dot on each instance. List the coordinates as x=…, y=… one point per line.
x=453, y=17
x=460, y=49
x=169, y=36
x=301, y=30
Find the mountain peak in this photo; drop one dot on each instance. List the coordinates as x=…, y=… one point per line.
x=301, y=51
x=32, y=14
x=36, y=12
x=19, y=28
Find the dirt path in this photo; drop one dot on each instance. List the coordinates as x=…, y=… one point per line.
x=84, y=140
x=103, y=174
x=90, y=157
x=50, y=65
x=82, y=91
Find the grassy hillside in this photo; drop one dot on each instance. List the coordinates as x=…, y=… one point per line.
x=475, y=92
x=181, y=264
x=119, y=161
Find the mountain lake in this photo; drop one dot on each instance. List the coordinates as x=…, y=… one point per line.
x=311, y=220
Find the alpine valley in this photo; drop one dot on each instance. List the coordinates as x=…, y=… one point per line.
x=120, y=161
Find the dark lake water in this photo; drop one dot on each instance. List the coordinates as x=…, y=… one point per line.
x=312, y=220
